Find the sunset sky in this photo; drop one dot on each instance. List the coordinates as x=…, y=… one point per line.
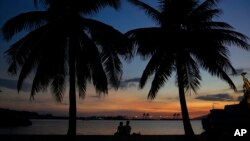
x=129, y=100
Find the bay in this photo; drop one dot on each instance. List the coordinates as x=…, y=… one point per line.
x=103, y=127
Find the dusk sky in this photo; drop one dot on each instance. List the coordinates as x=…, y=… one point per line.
x=129, y=100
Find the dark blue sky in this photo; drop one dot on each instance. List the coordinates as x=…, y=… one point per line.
x=128, y=17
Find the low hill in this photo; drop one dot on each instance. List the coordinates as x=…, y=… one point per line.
x=12, y=118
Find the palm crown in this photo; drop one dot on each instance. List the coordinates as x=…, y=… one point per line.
x=187, y=34
x=63, y=42
x=96, y=49
x=187, y=38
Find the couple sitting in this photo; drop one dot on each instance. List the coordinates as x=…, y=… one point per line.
x=123, y=130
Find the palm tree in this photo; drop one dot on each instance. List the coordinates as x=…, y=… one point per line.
x=187, y=38
x=174, y=115
x=63, y=42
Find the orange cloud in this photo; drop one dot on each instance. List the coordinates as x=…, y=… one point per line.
x=129, y=102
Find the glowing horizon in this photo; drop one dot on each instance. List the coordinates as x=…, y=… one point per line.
x=131, y=103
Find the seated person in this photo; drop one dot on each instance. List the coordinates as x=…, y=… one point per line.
x=120, y=130
x=127, y=129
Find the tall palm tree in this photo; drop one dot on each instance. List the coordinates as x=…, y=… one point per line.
x=187, y=38
x=63, y=42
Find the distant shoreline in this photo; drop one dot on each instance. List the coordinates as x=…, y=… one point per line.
x=34, y=115
x=95, y=138
x=80, y=118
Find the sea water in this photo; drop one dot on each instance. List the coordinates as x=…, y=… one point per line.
x=103, y=127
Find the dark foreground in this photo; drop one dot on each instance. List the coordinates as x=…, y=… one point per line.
x=112, y=138
x=91, y=138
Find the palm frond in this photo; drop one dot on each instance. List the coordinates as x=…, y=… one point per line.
x=210, y=25
x=217, y=64
x=80, y=6
x=19, y=51
x=57, y=87
x=112, y=66
x=151, y=67
x=98, y=75
x=162, y=74
x=227, y=37
x=147, y=40
x=191, y=75
x=51, y=68
x=40, y=82
x=111, y=44
x=27, y=67
x=216, y=70
x=82, y=75
x=108, y=37
x=187, y=27
x=217, y=39
x=176, y=11
x=82, y=70
x=25, y=21
x=203, y=16
x=150, y=11
x=206, y=5
x=93, y=6
x=25, y=53
x=81, y=83
x=208, y=50
x=57, y=66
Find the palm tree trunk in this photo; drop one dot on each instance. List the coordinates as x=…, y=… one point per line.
x=72, y=90
x=185, y=116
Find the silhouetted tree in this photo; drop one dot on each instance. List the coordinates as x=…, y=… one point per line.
x=63, y=42
x=178, y=115
x=186, y=38
x=174, y=115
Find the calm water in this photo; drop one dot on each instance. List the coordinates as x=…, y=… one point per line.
x=103, y=127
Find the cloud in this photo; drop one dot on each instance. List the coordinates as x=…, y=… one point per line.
x=216, y=97
x=12, y=84
x=136, y=79
x=128, y=83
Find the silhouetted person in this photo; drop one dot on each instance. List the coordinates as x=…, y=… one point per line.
x=127, y=129
x=120, y=130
